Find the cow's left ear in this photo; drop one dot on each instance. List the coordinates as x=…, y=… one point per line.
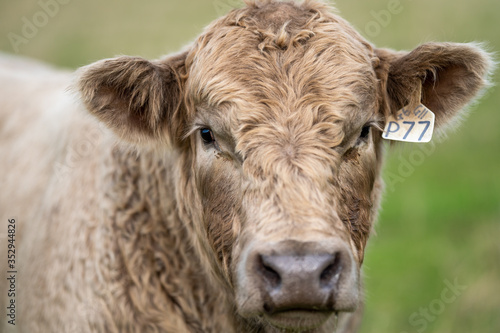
x=447, y=75
x=138, y=99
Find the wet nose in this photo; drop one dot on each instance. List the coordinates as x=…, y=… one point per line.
x=303, y=277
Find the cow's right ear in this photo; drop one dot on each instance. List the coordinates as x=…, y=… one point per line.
x=138, y=99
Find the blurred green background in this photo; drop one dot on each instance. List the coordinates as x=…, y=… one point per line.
x=440, y=221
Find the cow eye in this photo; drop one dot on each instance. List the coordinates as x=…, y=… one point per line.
x=365, y=132
x=207, y=136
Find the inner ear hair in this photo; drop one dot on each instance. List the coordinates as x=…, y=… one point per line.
x=450, y=75
x=136, y=98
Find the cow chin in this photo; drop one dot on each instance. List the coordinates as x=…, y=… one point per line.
x=301, y=321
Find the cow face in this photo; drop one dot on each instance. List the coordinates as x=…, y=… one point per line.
x=276, y=111
x=289, y=134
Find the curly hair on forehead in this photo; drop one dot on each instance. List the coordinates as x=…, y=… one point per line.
x=281, y=25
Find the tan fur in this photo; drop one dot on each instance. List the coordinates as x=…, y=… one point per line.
x=148, y=234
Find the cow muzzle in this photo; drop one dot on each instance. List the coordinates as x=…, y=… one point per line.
x=297, y=285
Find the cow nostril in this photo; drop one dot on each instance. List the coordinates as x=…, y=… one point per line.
x=268, y=308
x=271, y=276
x=330, y=275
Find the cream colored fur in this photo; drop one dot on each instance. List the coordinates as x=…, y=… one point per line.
x=126, y=222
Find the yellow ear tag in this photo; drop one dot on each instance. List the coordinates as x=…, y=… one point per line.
x=413, y=123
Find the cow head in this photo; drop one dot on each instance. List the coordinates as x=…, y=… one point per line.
x=276, y=112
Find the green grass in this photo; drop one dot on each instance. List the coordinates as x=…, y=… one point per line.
x=442, y=223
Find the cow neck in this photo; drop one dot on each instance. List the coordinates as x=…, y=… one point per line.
x=160, y=270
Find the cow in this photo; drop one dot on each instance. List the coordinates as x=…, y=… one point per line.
x=230, y=187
